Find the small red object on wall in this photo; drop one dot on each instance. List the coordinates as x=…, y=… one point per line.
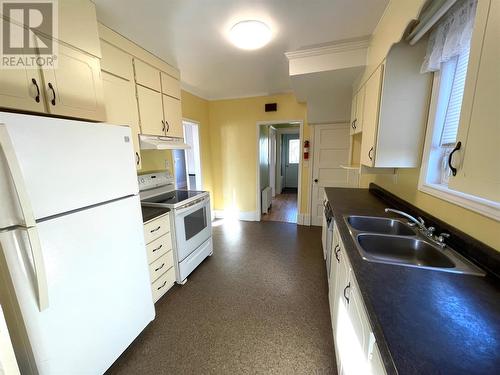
x=306, y=150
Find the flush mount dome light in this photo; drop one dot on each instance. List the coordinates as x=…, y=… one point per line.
x=250, y=34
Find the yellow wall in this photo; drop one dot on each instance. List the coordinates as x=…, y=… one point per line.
x=234, y=147
x=405, y=183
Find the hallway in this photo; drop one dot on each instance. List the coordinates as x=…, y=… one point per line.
x=259, y=305
x=283, y=208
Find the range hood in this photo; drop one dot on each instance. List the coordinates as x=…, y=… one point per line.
x=151, y=142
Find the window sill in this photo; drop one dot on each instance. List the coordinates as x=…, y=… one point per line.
x=482, y=206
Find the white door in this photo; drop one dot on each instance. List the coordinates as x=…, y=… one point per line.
x=291, y=153
x=99, y=289
x=330, y=151
x=66, y=164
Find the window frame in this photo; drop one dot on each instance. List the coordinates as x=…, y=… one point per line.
x=295, y=140
x=477, y=204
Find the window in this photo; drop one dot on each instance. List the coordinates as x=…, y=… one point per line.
x=293, y=151
x=451, y=83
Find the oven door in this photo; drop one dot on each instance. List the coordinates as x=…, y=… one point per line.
x=192, y=227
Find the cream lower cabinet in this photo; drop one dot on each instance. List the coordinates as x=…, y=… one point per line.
x=172, y=115
x=355, y=347
x=121, y=107
x=74, y=88
x=150, y=111
x=160, y=255
x=478, y=172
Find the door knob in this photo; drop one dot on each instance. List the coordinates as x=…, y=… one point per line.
x=316, y=180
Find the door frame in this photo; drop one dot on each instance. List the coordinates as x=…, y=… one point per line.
x=197, y=156
x=257, y=166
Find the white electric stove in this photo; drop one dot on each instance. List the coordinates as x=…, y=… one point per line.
x=192, y=226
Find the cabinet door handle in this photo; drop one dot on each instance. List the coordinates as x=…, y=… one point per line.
x=37, y=97
x=158, y=248
x=337, y=250
x=370, y=153
x=53, y=101
x=156, y=229
x=163, y=126
x=137, y=158
x=168, y=125
x=162, y=285
x=453, y=169
x=348, y=286
x=354, y=123
x=159, y=268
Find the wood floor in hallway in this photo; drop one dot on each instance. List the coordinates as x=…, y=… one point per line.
x=283, y=208
x=259, y=305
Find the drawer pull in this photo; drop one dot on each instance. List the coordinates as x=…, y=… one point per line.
x=337, y=250
x=162, y=285
x=348, y=286
x=158, y=248
x=37, y=98
x=53, y=101
x=156, y=229
x=159, y=268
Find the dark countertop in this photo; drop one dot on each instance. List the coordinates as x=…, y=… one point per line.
x=424, y=321
x=149, y=213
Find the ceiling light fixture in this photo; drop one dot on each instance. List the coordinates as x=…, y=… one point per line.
x=250, y=34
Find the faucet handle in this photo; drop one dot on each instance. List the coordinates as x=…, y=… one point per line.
x=430, y=230
x=421, y=220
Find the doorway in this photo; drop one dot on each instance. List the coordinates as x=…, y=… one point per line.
x=279, y=164
x=187, y=163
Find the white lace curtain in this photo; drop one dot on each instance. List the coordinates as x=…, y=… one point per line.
x=451, y=36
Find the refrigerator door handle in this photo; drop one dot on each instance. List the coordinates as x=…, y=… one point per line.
x=28, y=216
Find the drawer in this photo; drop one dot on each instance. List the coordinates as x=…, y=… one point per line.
x=170, y=86
x=163, y=284
x=158, y=247
x=160, y=265
x=146, y=75
x=156, y=228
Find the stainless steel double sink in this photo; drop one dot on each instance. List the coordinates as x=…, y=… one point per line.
x=392, y=241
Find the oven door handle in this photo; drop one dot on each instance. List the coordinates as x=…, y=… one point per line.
x=192, y=206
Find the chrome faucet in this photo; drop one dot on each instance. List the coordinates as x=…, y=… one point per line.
x=419, y=222
x=427, y=231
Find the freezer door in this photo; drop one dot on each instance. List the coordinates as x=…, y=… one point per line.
x=65, y=164
x=99, y=290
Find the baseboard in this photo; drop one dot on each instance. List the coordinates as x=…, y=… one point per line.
x=304, y=219
x=242, y=215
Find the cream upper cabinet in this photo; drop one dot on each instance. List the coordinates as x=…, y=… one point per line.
x=353, y=114
x=146, y=75
x=170, y=86
x=478, y=172
x=395, y=108
x=150, y=111
x=21, y=89
x=360, y=100
x=121, y=107
x=370, y=115
x=116, y=61
x=74, y=89
x=173, y=116
x=78, y=25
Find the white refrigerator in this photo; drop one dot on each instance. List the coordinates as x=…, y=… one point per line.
x=74, y=280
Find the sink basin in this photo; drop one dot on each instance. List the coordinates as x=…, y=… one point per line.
x=381, y=225
x=403, y=250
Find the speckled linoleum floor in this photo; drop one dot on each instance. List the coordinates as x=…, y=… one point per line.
x=258, y=306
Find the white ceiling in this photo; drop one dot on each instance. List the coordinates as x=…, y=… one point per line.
x=192, y=35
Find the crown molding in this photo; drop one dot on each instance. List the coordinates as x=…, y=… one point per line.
x=333, y=48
